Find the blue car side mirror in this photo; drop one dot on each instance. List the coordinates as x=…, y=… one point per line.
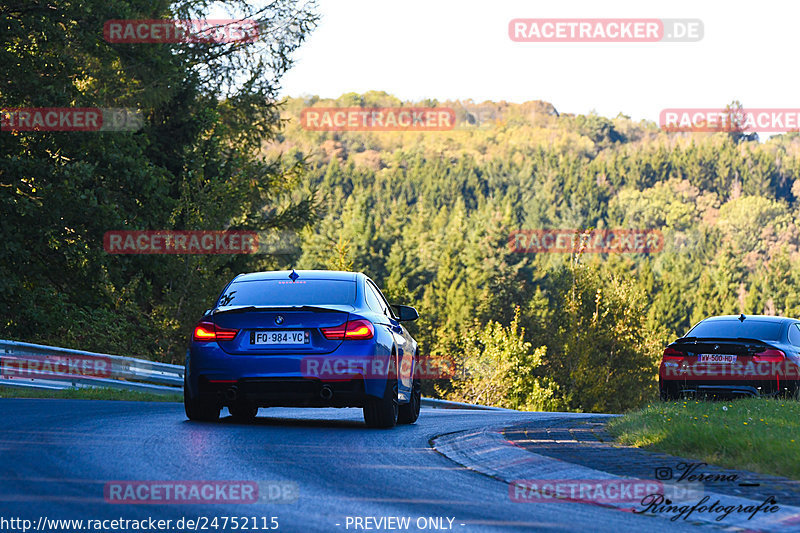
x=406, y=313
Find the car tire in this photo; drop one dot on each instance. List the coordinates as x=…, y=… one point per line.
x=408, y=413
x=197, y=410
x=243, y=413
x=383, y=412
x=667, y=393
x=794, y=392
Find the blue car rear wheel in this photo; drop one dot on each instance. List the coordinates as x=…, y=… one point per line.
x=383, y=412
x=198, y=410
x=409, y=412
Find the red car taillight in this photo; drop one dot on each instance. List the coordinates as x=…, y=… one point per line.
x=769, y=356
x=671, y=354
x=207, y=331
x=353, y=330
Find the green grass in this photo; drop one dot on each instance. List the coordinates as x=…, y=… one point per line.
x=88, y=394
x=756, y=434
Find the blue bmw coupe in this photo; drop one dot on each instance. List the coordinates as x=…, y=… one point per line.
x=307, y=338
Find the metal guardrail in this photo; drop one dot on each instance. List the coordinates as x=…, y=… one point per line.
x=446, y=404
x=23, y=364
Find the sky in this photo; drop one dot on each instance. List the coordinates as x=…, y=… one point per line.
x=460, y=49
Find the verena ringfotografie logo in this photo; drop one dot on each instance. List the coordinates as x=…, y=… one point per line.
x=342, y=368
x=689, y=472
x=181, y=31
x=55, y=366
x=599, y=491
x=180, y=242
x=378, y=119
x=69, y=119
x=592, y=241
x=726, y=120
x=606, y=30
x=659, y=505
x=200, y=492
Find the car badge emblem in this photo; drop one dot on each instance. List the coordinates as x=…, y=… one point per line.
x=279, y=319
x=716, y=347
x=293, y=276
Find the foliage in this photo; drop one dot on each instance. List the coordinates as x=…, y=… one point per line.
x=194, y=165
x=428, y=214
x=722, y=433
x=499, y=368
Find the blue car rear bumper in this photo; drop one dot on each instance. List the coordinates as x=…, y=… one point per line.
x=279, y=380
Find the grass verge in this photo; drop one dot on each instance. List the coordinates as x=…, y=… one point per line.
x=88, y=394
x=755, y=434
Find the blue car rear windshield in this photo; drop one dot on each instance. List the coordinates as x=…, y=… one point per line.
x=730, y=329
x=285, y=292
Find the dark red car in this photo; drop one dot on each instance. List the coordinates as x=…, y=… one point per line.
x=734, y=356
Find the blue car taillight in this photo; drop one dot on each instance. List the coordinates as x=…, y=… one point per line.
x=352, y=330
x=208, y=331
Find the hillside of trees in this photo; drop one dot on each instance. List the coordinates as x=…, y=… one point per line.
x=428, y=216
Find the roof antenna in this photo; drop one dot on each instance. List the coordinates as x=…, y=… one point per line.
x=741, y=317
x=293, y=276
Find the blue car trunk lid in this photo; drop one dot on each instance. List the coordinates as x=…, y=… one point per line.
x=299, y=322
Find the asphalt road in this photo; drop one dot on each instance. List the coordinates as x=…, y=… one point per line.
x=57, y=456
